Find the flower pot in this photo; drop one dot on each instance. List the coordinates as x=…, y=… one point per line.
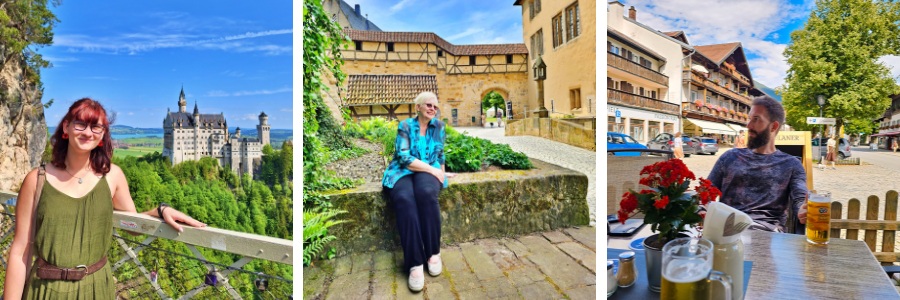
x=653, y=256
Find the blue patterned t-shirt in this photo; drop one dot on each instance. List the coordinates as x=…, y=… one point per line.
x=409, y=146
x=760, y=185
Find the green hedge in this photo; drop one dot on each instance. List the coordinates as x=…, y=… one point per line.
x=462, y=153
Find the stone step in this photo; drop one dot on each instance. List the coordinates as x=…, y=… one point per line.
x=555, y=264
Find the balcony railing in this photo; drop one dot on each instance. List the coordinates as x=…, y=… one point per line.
x=638, y=101
x=140, y=264
x=719, y=89
x=737, y=76
x=623, y=64
x=690, y=107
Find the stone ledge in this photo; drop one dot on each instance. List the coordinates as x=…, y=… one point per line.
x=475, y=205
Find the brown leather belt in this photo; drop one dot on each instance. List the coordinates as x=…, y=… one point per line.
x=47, y=271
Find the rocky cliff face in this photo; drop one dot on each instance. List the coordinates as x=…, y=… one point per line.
x=23, y=130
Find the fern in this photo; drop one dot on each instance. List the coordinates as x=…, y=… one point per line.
x=315, y=231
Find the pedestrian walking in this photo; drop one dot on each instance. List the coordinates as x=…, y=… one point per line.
x=830, y=155
x=677, y=146
x=894, y=144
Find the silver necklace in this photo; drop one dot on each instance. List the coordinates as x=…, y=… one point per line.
x=80, y=179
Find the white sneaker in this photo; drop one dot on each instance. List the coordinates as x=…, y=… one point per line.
x=416, y=278
x=435, y=268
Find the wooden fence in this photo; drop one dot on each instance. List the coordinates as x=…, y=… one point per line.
x=870, y=226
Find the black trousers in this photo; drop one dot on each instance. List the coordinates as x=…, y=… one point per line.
x=415, y=202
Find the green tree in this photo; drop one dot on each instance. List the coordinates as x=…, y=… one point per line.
x=27, y=26
x=836, y=55
x=493, y=100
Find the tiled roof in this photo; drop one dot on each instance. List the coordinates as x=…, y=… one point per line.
x=388, y=89
x=207, y=121
x=717, y=53
x=357, y=21
x=720, y=52
x=428, y=37
x=678, y=35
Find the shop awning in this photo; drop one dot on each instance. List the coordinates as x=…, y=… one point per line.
x=709, y=127
x=737, y=128
x=886, y=134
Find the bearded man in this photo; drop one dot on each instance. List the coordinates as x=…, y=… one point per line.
x=760, y=180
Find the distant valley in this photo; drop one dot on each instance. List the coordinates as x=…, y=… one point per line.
x=134, y=141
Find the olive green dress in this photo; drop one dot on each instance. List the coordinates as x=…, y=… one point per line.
x=71, y=232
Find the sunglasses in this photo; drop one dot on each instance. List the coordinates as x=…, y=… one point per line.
x=430, y=106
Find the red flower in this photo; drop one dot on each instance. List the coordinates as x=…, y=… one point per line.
x=629, y=202
x=662, y=202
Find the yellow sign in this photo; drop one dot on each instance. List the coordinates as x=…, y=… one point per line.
x=798, y=143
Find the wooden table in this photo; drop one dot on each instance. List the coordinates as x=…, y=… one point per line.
x=785, y=266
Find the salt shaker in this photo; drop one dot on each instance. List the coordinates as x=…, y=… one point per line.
x=611, y=284
x=627, y=271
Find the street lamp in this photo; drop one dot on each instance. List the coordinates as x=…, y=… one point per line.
x=821, y=100
x=540, y=74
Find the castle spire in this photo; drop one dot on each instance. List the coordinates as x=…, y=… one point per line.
x=182, y=103
x=196, y=111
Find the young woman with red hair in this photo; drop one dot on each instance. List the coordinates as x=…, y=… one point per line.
x=73, y=227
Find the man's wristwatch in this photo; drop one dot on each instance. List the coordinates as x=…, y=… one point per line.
x=159, y=210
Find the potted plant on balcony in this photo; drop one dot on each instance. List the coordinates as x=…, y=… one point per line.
x=698, y=103
x=667, y=207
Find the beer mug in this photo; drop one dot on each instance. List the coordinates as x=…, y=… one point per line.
x=687, y=271
x=818, y=217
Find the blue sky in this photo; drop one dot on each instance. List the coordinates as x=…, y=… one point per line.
x=459, y=22
x=762, y=26
x=134, y=57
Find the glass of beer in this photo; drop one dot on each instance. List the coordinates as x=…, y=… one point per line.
x=687, y=271
x=818, y=217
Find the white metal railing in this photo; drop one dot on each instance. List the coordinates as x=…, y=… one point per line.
x=248, y=246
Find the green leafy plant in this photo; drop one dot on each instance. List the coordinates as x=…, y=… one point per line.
x=463, y=153
x=315, y=232
x=504, y=157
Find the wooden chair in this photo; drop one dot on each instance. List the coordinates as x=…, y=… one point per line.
x=870, y=227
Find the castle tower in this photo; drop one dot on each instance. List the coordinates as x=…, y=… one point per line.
x=237, y=133
x=263, y=128
x=182, y=103
x=196, y=138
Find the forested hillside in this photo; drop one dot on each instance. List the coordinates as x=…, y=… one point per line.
x=219, y=198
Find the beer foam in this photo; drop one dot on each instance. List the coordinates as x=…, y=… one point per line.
x=687, y=271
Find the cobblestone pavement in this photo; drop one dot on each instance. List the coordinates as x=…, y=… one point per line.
x=571, y=157
x=845, y=183
x=551, y=265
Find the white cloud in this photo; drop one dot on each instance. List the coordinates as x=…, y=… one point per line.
x=233, y=73
x=893, y=63
x=400, y=5
x=133, y=43
x=287, y=109
x=130, y=113
x=723, y=21
x=469, y=31
x=219, y=93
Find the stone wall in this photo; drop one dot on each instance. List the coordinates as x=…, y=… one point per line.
x=462, y=92
x=558, y=130
x=474, y=206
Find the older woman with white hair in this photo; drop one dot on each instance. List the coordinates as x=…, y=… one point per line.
x=412, y=182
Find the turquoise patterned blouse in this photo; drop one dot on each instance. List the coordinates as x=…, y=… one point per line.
x=408, y=147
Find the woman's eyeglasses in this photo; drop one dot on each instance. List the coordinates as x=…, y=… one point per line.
x=95, y=128
x=430, y=106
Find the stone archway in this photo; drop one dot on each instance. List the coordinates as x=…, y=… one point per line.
x=504, y=93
